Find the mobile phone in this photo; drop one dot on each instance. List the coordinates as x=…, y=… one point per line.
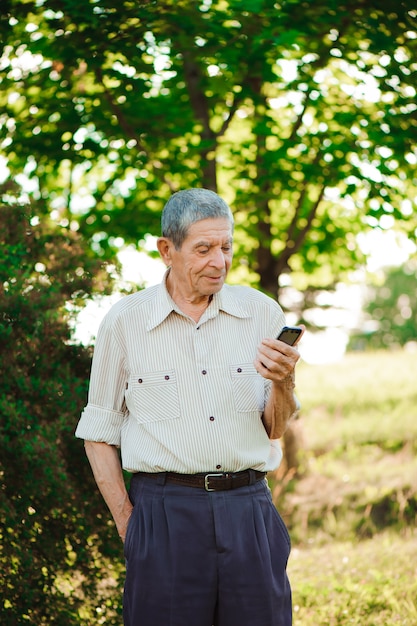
x=290, y=334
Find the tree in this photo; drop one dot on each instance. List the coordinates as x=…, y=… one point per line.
x=390, y=310
x=57, y=548
x=301, y=113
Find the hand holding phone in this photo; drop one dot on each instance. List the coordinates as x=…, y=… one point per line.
x=290, y=334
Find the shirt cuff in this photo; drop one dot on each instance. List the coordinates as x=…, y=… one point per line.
x=99, y=424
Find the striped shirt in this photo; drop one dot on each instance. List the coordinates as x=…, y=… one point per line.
x=182, y=396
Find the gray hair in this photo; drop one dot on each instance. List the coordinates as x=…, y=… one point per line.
x=188, y=206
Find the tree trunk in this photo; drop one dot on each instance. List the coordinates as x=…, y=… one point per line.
x=200, y=106
x=269, y=269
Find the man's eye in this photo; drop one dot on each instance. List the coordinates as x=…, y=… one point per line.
x=226, y=248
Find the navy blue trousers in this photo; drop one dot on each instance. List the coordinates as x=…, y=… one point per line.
x=198, y=558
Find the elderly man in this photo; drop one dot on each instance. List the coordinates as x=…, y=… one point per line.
x=190, y=382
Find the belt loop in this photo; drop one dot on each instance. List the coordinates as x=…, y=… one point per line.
x=252, y=476
x=161, y=479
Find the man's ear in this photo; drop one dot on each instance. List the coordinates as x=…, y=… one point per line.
x=164, y=246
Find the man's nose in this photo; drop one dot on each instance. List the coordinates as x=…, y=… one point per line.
x=217, y=258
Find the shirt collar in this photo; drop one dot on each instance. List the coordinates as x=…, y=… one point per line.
x=224, y=300
x=164, y=304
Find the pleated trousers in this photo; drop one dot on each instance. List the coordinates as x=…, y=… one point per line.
x=198, y=558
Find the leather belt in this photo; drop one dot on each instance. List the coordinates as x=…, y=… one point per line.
x=212, y=481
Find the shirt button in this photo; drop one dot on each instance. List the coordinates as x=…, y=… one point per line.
x=218, y=466
x=167, y=377
x=239, y=369
x=140, y=380
x=211, y=418
x=204, y=372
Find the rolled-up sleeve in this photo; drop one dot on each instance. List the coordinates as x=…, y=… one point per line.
x=103, y=417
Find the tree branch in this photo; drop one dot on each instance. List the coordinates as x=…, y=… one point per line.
x=127, y=128
x=312, y=214
x=236, y=103
x=301, y=235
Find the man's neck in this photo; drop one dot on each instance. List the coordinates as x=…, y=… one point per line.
x=191, y=308
x=194, y=307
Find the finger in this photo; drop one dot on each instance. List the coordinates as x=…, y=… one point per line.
x=269, y=363
x=276, y=346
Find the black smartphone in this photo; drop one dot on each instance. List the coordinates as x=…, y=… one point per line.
x=290, y=334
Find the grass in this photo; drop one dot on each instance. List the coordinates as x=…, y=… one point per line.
x=352, y=510
x=365, y=397
x=368, y=583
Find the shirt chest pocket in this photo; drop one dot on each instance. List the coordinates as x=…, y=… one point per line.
x=248, y=387
x=155, y=396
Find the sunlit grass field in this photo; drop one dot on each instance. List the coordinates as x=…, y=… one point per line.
x=372, y=582
x=352, y=513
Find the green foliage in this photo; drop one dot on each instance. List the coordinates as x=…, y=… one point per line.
x=55, y=539
x=302, y=114
x=391, y=309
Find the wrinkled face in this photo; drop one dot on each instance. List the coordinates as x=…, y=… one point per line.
x=200, y=267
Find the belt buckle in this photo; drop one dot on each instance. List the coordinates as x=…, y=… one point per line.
x=207, y=477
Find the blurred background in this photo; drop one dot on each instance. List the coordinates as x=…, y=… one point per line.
x=303, y=116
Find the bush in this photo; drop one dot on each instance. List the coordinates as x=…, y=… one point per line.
x=56, y=545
